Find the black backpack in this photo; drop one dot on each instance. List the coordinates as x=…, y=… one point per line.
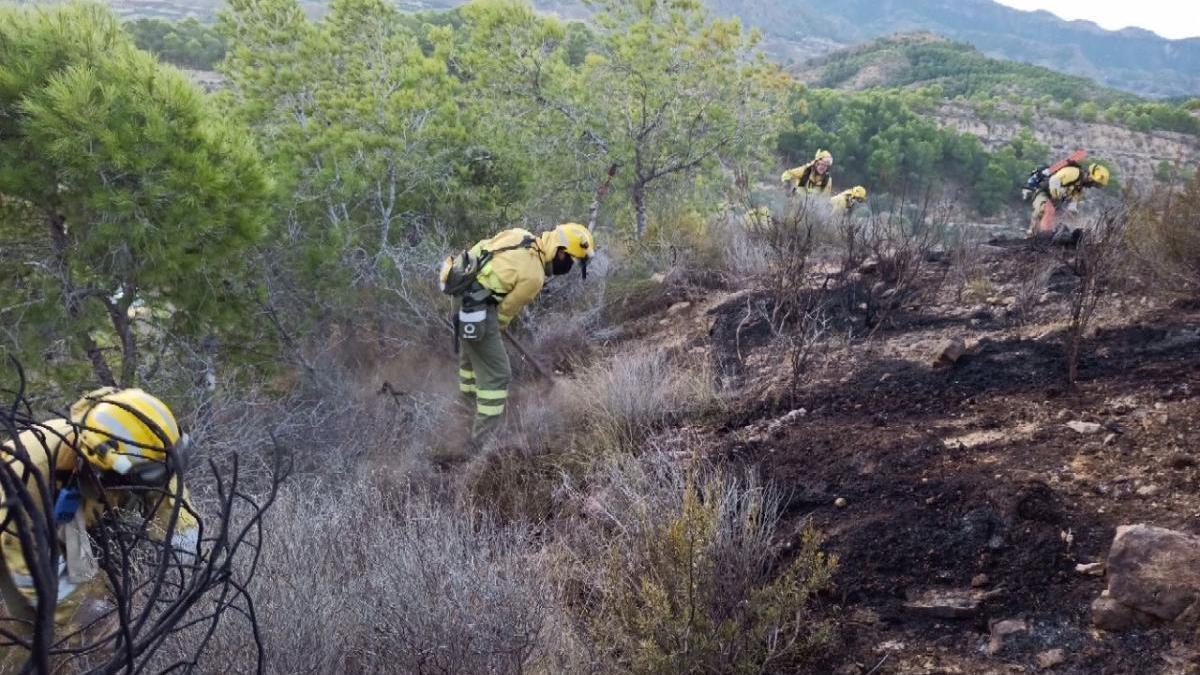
x=1039, y=178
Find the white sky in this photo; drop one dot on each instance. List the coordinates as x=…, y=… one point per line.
x=1169, y=18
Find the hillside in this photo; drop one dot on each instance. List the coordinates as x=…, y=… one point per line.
x=995, y=101
x=958, y=69
x=1136, y=155
x=1132, y=60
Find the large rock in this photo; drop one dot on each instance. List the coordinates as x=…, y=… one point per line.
x=947, y=353
x=947, y=603
x=1152, y=572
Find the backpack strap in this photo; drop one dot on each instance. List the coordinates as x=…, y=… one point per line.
x=484, y=258
x=806, y=175
x=526, y=242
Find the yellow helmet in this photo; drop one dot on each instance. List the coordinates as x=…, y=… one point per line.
x=576, y=239
x=859, y=192
x=130, y=433
x=823, y=154
x=1099, y=174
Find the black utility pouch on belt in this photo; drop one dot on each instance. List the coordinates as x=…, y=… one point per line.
x=471, y=320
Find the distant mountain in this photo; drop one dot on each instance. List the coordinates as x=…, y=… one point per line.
x=797, y=30
x=1132, y=59
x=926, y=59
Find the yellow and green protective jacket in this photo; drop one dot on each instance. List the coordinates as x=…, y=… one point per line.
x=53, y=459
x=515, y=277
x=1066, y=184
x=806, y=178
x=844, y=201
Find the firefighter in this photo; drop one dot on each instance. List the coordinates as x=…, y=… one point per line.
x=120, y=452
x=844, y=202
x=1063, y=187
x=813, y=177
x=492, y=282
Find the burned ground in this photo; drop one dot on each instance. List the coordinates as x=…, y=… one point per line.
x=969, y=475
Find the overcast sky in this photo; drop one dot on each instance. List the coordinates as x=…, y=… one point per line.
x=1169, y=18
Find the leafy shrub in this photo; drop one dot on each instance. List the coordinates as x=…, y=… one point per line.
x=680, y=575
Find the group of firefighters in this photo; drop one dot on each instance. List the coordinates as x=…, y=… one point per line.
x=124, y=450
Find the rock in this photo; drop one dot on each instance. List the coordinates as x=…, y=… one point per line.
x=793, y=416
x=1084, y=427
x=840, y=502
x=658, y=278
x=677, y=308
x=980, y=580
x=1002, y=631
x=1110, y=615
x=1152, y=571
x=777, y=426
x=1179, y=461
x=1149, y=491
x=1009, y=301
x=864, y=615
x=890, y=646
x=1051, y=658
x=947, y=353
x=1110, y=439
x=869, y=267
x=1095, y=569
x=947, y=603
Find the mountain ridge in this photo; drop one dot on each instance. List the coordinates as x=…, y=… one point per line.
x=1132, y=59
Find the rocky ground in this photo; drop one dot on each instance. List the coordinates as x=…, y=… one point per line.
x=968, y=491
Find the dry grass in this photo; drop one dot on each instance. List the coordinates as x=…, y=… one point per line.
x=371, y=579
x=1165, y=236
x=612, y=406
x=608, y=408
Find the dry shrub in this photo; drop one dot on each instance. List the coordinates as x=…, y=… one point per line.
x=616, y=404
x=1165, y=235
x=561, y=340
x=788, y=236
x=329, y=420
x=743, y=256
x=368, y=579
x=677, y=573
x=606, y=409
x=1100, y=260
x=978, y=288
x=1030, y=289
x=902, y=242
x=966, y=258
